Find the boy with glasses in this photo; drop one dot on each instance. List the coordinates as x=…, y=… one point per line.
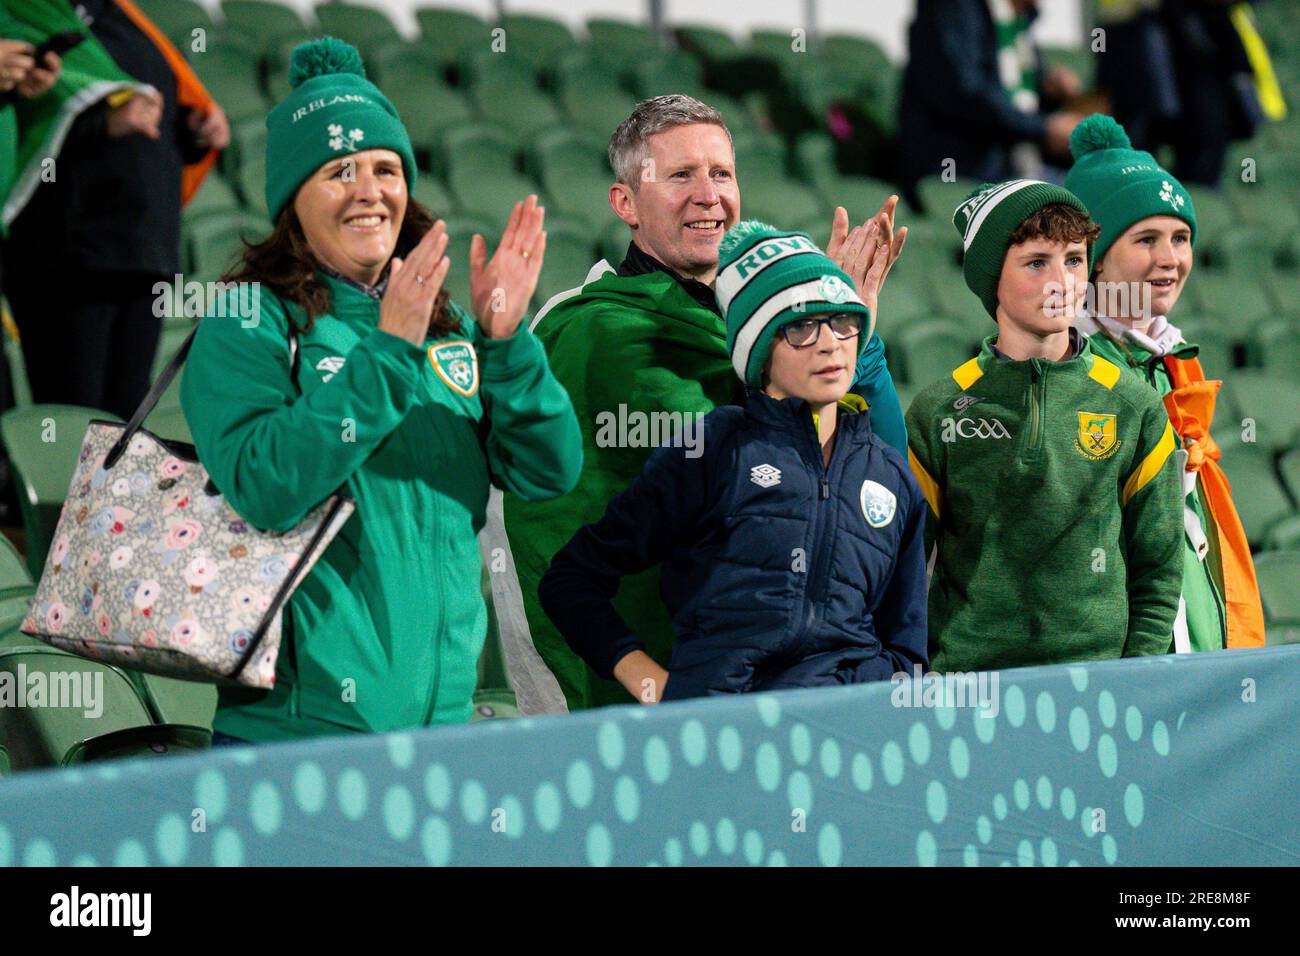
x=792, y=547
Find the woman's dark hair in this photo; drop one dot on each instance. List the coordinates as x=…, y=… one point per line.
x=285, y=263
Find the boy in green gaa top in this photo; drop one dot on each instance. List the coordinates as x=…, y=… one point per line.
x=1054, y=500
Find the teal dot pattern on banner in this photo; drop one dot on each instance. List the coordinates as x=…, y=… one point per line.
x=1055, y=767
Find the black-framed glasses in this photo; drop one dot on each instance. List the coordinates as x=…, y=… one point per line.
x=803, y=333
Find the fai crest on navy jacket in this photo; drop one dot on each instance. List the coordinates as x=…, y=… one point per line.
x=456, y=364
x=878, y=504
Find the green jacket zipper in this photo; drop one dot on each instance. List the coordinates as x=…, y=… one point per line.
x=1037, y=389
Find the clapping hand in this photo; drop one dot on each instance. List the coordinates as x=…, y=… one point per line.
x=501, y=289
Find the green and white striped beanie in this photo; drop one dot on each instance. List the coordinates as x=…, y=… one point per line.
x=987, y=218
x=768, y=278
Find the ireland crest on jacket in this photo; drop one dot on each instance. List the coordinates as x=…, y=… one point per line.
x=878, y=504
x=456, y=364
x=1097, y=438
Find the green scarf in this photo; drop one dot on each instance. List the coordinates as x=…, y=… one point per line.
x=89, y=74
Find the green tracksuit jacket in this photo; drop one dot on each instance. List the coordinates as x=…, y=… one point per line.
x=385, y=631
x=1055, y=508
x=1206, y=617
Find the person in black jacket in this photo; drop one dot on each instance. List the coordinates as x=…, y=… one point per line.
x=976, y=95
x=791, y=536
x=83, y=256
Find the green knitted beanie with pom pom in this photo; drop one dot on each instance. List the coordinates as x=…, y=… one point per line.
x=1121, y=185
x=767, y=278
x=332, y=111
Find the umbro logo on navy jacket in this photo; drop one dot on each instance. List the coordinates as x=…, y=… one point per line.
x=778, y=572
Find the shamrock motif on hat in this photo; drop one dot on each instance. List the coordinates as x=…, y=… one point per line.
x=339, y=142
x=1167, y=194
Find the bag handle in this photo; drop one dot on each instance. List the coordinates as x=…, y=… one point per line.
x=165, y=379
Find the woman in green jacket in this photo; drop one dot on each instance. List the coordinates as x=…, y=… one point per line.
x=399, y=396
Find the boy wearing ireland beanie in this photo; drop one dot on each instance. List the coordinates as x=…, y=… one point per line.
x=792, y=547
x=1140, y=263
x=1053, y=496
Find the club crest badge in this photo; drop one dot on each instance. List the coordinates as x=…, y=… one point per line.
x=456, y=364
x=1098, y=436
x=878, y=504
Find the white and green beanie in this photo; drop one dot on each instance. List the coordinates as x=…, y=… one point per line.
x=768, y=278
x=1120, y=184
x=987, y=218
x=333, y=110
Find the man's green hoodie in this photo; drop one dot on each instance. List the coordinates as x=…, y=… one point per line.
x=385, y=631
x=1055, y=509
x=641, y=342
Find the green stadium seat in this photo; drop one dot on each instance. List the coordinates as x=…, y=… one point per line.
x=247, y=143
x=1272, y=402
x=44, y=736
x=43, y=468
x=225, y=70
x=250, y=181
x=4, y=761
x=861, y=196
x=460, y=231
x=778, y=201
x=591, y=99
x=428, y=108
x=430, y=193
x=570, y=254
x=1275, y=346
x=621, y=43
x=450, y=33
x=402, y=63
x=1241, y=300
x=539, y=39
x=574, y=171
x=1289, y=466
x=1284, y=535
x=176, y=16
x=778, y=48
x=675, y=72
x=941, y=198
x=1214, y=214
x=265, y=24
x=709, y=43
x=1264, y=207
x=14, y=572
x=929, y=349
x=366, y=28
x=1217, y=352
x=216, y=240
x=215, y=195
x=1259, y=498
x=1246, y=251
x=506, y=69
x=494, y=705
x=168, y=421
x=864, y=53
x=1278, y=572
x=758, y=155
x=173, y=701
x=524, y=110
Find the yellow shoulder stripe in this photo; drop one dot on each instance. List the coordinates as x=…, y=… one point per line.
x=1150, y=466
x=929, y=487
x=967, y=375
x=1104, y=372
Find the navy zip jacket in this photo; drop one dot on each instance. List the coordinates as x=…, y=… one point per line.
x=778, y=572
